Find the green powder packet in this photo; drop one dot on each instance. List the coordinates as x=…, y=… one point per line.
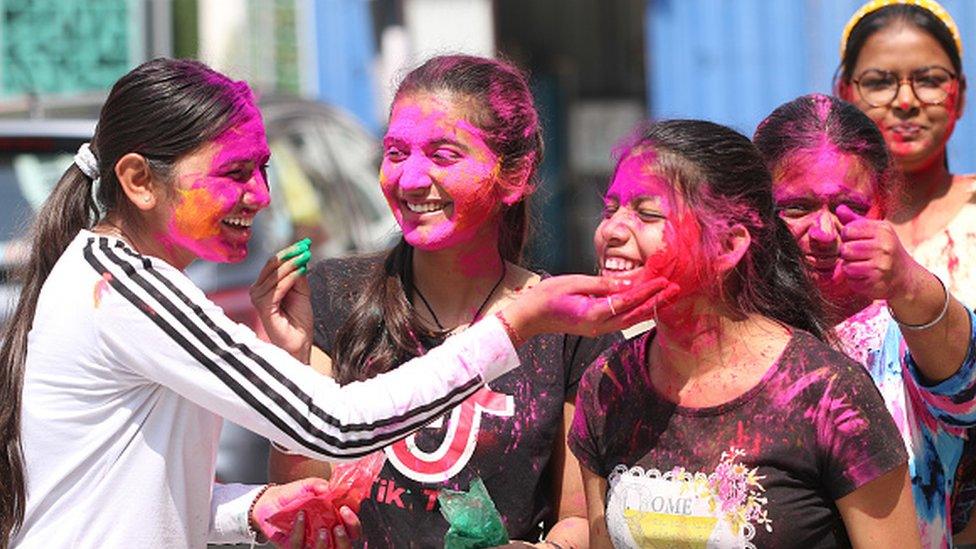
x=474, y=521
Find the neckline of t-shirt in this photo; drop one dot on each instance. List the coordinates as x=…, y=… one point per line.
x=88, y=233
x=438, y=339
x=116, y=241
x=724, y=407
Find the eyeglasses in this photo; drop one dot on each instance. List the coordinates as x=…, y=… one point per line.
x=930, y=85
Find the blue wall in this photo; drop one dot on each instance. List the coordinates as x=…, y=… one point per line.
x=734, y=61
x=345, y=44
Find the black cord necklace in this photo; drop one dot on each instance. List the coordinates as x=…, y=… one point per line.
x=477, y=314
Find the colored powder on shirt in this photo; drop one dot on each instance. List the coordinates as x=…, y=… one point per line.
x=101, y=287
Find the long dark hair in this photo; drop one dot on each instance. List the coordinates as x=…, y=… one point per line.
x=811, y=121
x=163, y=110
x=721, y=177
x=882, y=18
x=382, y=330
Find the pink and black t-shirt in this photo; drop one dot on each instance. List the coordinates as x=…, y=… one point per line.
x=762, y=470
x=503, y=434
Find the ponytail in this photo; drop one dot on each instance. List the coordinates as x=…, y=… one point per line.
x=779, y=286
x=382, y=330
x=514, y=232
x=69, y=209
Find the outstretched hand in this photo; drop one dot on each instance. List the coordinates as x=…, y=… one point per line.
x=276, y=498
x=873, y=260
x=587, y=305
x=282, y=299
x=339, y=538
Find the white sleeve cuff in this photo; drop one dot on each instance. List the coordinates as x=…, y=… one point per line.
x=229, y=507
x=490, y=343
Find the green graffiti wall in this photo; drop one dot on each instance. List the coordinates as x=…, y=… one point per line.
x=64, y=46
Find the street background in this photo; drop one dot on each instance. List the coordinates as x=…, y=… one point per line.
x=597, y=66
x=325, y=71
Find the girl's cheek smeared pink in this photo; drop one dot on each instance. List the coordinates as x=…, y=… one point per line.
x=465, y=182
x=676, y=261
x=950, y=105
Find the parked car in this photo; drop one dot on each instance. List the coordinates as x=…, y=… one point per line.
x=323, y=177
x=33, y=155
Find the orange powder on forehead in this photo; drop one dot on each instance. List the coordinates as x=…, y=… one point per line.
x=196, y=216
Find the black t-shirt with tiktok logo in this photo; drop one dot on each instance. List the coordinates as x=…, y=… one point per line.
x=504, y=433
x=762, y=470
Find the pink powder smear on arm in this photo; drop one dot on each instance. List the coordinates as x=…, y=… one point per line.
x=101, y=287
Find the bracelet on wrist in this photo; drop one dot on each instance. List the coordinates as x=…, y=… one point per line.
x=552, y=544
x=252, y=527
x=517, y=340
x=926, y=325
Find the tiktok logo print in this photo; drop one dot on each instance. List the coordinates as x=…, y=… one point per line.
x=459, y=441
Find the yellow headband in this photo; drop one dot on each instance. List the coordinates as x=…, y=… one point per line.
x=874, y=5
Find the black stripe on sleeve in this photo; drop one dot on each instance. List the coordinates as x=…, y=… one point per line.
x=335, y=447
x=302, y=420
x=436, y=405
x=294, y=389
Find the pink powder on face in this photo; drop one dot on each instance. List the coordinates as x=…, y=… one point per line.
x=222, y=180
x=915, y=133
x=950, y=105
x=808, y=187
x=903, y=147
x=438, y=163
x=650, y=225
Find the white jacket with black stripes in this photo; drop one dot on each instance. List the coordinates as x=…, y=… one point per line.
x=130, y=369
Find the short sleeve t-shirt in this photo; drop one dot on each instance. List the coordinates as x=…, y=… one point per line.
x=762, y=470
x=503, y=434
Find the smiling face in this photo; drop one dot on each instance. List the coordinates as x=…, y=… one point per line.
x=438, y=174
x=217, y=191
x=808, y=187
x=646, y=226
x=916, y=133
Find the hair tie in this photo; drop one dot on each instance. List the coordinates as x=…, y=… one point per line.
x=86, y=161
x=931, y=6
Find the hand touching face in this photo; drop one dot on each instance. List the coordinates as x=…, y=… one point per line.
x=828, y=201
x=646, y=227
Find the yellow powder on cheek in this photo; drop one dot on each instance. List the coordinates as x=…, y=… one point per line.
x=197, y=214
